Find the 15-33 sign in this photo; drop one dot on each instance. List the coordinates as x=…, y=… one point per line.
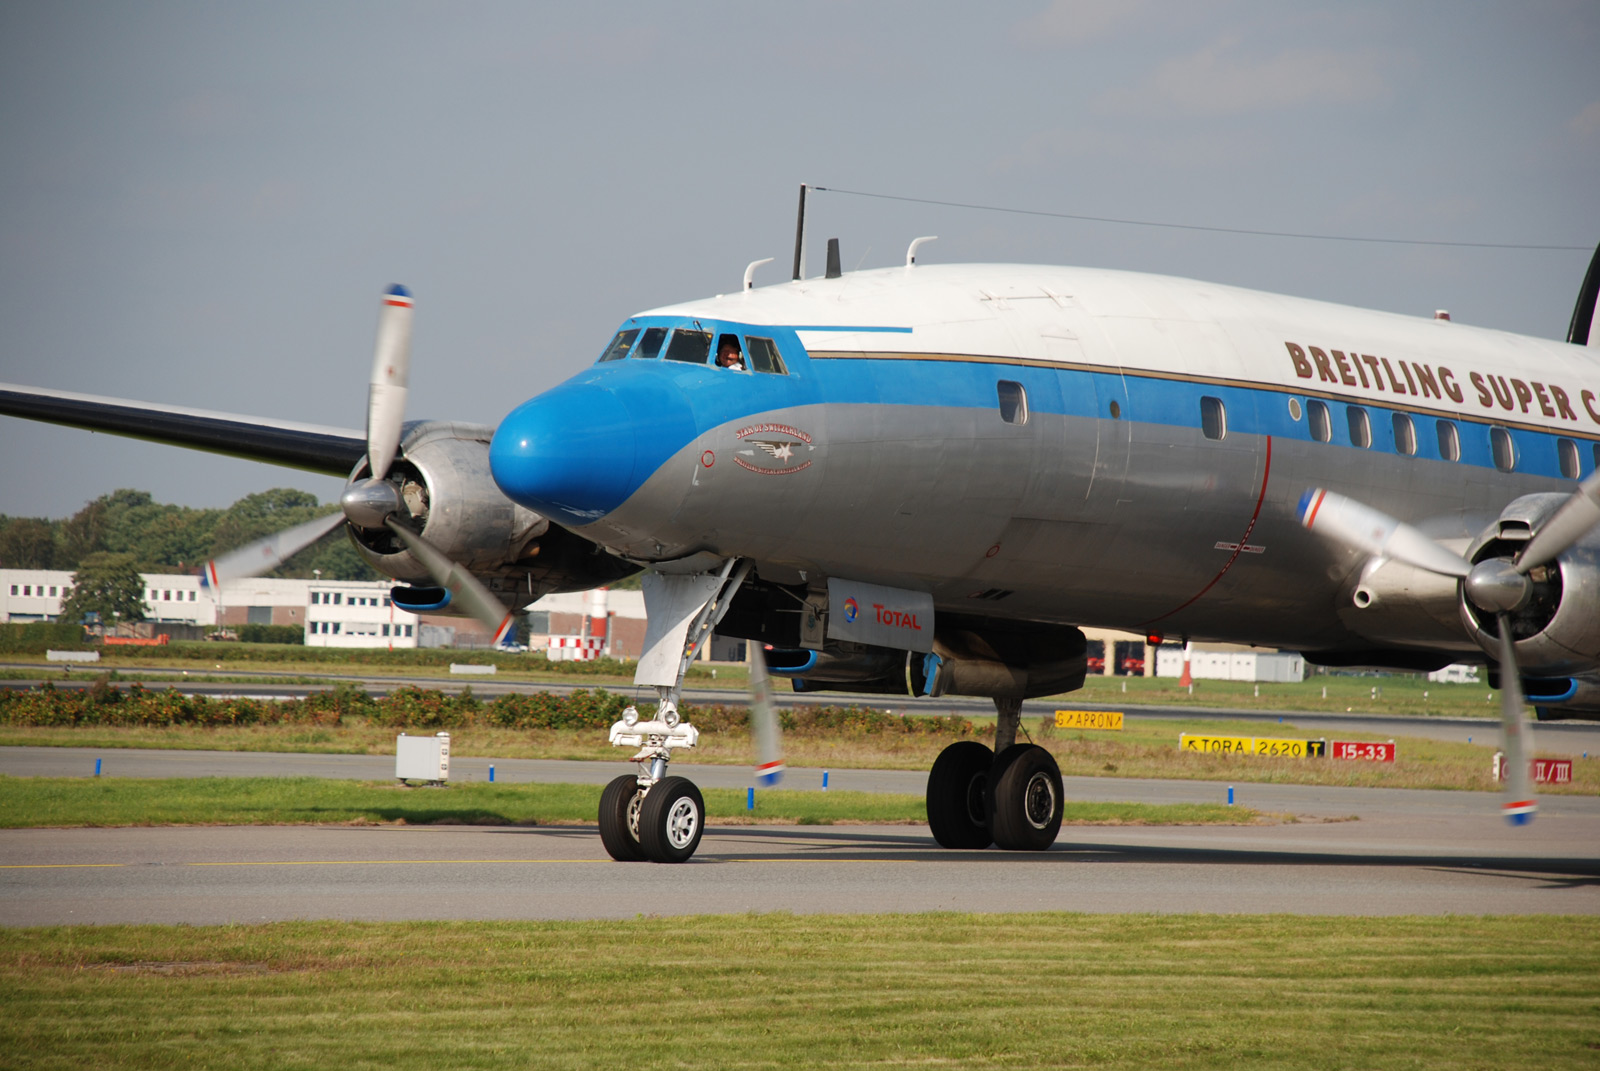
x=1363, y=750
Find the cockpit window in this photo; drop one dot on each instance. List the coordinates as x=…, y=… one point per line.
x=691, y=346
x=650, y=345
x=620, y=345
x=764, y=356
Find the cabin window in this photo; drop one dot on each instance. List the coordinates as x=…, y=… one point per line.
x=1294, y=408
x=1567, y=452
x=1013, y=402
x=764, y=356
x=1360, y=427
x=1321, y=425
x=620, y=345
x=1504, y=450
x=1405, y=435
x=650, y=344
x=1213, y=418
x=1449, y=441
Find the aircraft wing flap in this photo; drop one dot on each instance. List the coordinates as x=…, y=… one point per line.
x=315, y=448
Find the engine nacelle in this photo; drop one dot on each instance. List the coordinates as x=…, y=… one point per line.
x=1564, y=698
x=451, y=499
x=1557, y=631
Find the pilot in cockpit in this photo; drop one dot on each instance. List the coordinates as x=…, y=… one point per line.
x=728, y=353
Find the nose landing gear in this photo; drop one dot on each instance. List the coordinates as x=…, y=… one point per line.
x=649, y=815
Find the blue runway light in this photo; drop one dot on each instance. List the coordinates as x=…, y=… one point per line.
x=491, y=773
x=1230, y=795
x=97, y=767
x=750, y=799
x=824, y=780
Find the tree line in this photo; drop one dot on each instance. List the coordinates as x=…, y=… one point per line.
x=157, y=537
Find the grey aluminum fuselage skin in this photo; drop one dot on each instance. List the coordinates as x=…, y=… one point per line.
x=1148, y=481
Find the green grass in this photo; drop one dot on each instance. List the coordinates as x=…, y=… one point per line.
x=764, y=991
x=1147, y=748
x=69, y=801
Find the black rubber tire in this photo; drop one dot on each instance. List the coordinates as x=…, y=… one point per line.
x=957, y=794
x=671, y=821
x=615, y=831
x=1025, y=799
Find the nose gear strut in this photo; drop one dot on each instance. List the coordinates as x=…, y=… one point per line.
x=662, y=817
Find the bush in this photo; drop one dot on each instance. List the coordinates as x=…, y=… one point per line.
x=37, y=637
x=290, y=634
x=417, y=708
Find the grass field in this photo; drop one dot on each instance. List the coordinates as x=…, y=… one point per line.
x=1147, y=748
x=763, y=991
x=27, y=802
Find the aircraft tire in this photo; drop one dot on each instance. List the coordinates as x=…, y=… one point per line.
x=957, y=791
x=1025, y=798
x=671, y=821
x=615, y=829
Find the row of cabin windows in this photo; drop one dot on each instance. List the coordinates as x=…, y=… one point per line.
x=1214, y=425
x=166, y=596
x=692, y=347
x=29, y=589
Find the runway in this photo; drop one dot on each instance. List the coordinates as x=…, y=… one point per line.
x=1349, y=851
x=210, y=875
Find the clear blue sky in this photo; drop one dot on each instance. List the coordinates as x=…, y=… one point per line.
x=200, y=203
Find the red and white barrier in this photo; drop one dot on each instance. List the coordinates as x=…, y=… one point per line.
x=574, y=648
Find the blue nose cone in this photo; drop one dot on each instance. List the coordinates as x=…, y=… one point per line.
x=568, y=454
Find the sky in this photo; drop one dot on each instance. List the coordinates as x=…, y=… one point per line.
x=201, y=203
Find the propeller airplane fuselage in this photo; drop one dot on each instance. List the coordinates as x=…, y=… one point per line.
x=1063, y=446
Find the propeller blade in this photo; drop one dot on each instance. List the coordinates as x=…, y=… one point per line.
x=1520, y=804
x=764, y=722
x=1566, y=525
x=466, y=590
x=1364, y=528
x=267, y=554
x=391, y=377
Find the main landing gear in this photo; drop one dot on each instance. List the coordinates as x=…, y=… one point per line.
x=650, y=815
x=1010, y=796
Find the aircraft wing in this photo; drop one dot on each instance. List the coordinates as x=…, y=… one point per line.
x=330, y=451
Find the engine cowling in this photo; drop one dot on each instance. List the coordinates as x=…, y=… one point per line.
x=450, y=498
x=1557, y=629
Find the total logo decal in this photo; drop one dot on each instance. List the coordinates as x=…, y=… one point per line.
x=776, y=447
x=880, y=615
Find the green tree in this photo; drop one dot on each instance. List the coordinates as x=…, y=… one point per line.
x=108, y=585
x=27, y=543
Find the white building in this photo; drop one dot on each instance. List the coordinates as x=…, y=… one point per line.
x=332, y=613
x=342, y=613
x=1243, y=664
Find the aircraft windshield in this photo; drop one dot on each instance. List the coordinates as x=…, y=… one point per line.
x=620, y=346
x=691, y=346
x=650, y=345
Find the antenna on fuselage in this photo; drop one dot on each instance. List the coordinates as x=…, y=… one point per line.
x=834, y=271
x=750, y=272
x=800, y=238
x=911, y=251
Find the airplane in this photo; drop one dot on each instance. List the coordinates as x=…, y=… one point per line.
x=924, y=480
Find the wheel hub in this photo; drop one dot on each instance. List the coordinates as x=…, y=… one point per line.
x=683, y=819
x=1039, y=800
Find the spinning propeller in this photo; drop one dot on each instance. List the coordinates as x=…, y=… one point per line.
x=1495, y=586
x=375, y=502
